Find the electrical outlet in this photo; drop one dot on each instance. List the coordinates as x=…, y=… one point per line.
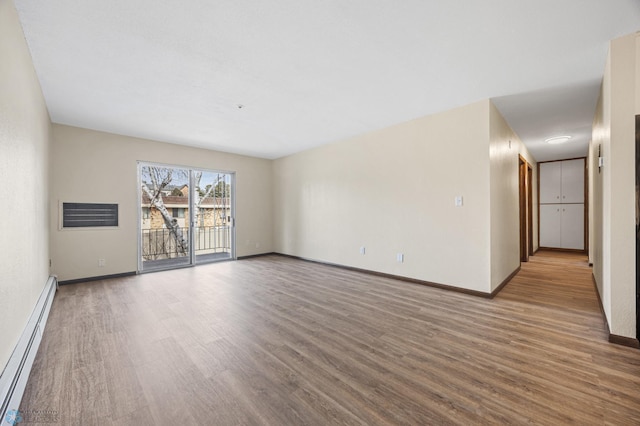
x=400, y=257
x=102, y=262
x=362, y=250
x=257, y=245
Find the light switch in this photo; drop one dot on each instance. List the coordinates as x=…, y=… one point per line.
x=459, y=201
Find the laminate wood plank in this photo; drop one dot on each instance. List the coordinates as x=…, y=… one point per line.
x=50, y=378
x=141, y=417
x=125, y=392
x=322, y=377
x=260, y=409
x=88, y=400
x=163, y=380
x=329, y=411
x=275, y=340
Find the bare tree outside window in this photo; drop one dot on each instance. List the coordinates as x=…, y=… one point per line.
x=155, y=181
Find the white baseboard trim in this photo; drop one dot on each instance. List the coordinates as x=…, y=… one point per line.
x=15, y=375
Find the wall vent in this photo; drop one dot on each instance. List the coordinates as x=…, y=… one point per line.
x=89, y=215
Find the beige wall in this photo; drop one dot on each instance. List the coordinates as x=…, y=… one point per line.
x=596, y=243
x=392, y=191
x=505, y=146
x=25, y=132
x=91, y=166
x=614, y=187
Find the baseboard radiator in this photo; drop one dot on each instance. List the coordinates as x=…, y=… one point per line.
x=15, y=375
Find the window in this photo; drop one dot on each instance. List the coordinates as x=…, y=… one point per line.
x=146, y=212
x=178, y=213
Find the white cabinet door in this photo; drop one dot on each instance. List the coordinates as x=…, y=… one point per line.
x=572, y=227
x=550, y=182
x=550, y=223
x=572, y=181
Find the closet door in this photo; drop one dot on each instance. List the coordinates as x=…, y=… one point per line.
x=550, y=223
x=572, y=181
x=550, y=182
x=572, y=226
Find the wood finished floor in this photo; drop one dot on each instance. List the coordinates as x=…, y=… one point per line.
x=278, y=341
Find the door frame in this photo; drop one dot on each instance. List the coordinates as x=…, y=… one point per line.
x=530, y=208
x=525, y=207
x=637, y=227
x=191, y=219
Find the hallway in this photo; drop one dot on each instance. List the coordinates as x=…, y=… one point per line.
x=555, y=279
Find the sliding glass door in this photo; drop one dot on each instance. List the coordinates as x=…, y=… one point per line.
x=213, y=225
x=164, y=225
x=186, y=216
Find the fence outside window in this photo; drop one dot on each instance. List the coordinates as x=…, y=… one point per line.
x=161, y=243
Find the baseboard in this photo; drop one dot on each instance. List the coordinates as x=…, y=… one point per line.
x=495, y=292
x=16, y=373
x=613, y=338
x=624, y=341
x=563, y=250
x=98, y=278
x=128, y=274
x=251, y=256
x=395, y=277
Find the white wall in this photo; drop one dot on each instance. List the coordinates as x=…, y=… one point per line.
x=393, y=191
x=91, y=166
x=614, y=187
x=505, y=147
x=25, y=132
x=592, y=169
x=601, y=123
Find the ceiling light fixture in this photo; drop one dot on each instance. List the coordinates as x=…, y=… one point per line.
x=557, y=140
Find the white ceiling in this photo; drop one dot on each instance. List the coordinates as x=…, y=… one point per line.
x=313, y=72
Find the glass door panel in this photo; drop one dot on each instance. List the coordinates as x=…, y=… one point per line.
x=212, y=216
x=164, y=217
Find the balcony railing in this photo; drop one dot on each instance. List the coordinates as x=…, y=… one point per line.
x=161, y=243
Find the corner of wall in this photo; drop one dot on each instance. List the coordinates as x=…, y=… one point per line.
x=505, y=149
x=25, y=138
x=614, y=186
